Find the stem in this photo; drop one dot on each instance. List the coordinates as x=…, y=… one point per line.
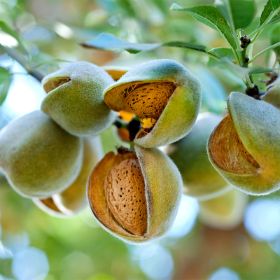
x=131, y=146
x=258, y=32
x=245, y=42
x=264, y=50
x=22, y=61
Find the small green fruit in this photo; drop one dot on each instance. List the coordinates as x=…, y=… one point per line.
x=38, y=157
x=225, y=211
x=73, y=199
x=245, y=146
x=200, y=178
x=135, y=195
x=163, y=95
x=74, y=98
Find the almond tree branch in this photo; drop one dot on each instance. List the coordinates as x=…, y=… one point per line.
x=22, y=61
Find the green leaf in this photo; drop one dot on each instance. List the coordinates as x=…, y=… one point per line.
x=238, y=13
x=212, y=17
x=274, y=46
x=222, y=53
x=222, y=6
x=275, y=19
x=275, y=37
x=270, y=7
x=259, y=70
x=184, y=45
x=106, y=41
x=8, y=30
x=213, y=94
x=5, y=82
x=242, y=12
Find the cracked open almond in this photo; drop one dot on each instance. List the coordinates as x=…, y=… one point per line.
x=134, y=195
x=163, y=95
x=245, y=146
x=74, y=98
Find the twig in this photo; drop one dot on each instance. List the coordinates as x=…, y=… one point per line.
x=22, y=61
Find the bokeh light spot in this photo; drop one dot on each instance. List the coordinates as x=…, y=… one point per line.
x=224, y=273
x=186, y=217
x=30, y=263
x=262, y=219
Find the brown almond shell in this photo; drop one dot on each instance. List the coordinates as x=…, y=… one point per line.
x=162, y=188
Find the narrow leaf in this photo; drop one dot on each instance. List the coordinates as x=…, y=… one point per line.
x=106, y=41
x=224, y=54
x=184, y=45
x=275, y=38
x=270, y=7
x=259, y=70
x=212, y=17
x=274, y=46
x=5, y=82
x=275, y=19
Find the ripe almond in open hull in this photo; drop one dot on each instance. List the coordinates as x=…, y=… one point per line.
x=245, y=146
x=163, y=95
x=135, y=195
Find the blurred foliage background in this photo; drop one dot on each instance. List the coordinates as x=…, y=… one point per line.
x=34, y=245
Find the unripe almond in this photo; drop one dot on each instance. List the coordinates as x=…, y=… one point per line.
x=200, y=178
x=224, y=212
x=75, y=98
x=38, y=157
x=162, y=92
x=135, y=195
x=245, y=146
x=73, y=199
